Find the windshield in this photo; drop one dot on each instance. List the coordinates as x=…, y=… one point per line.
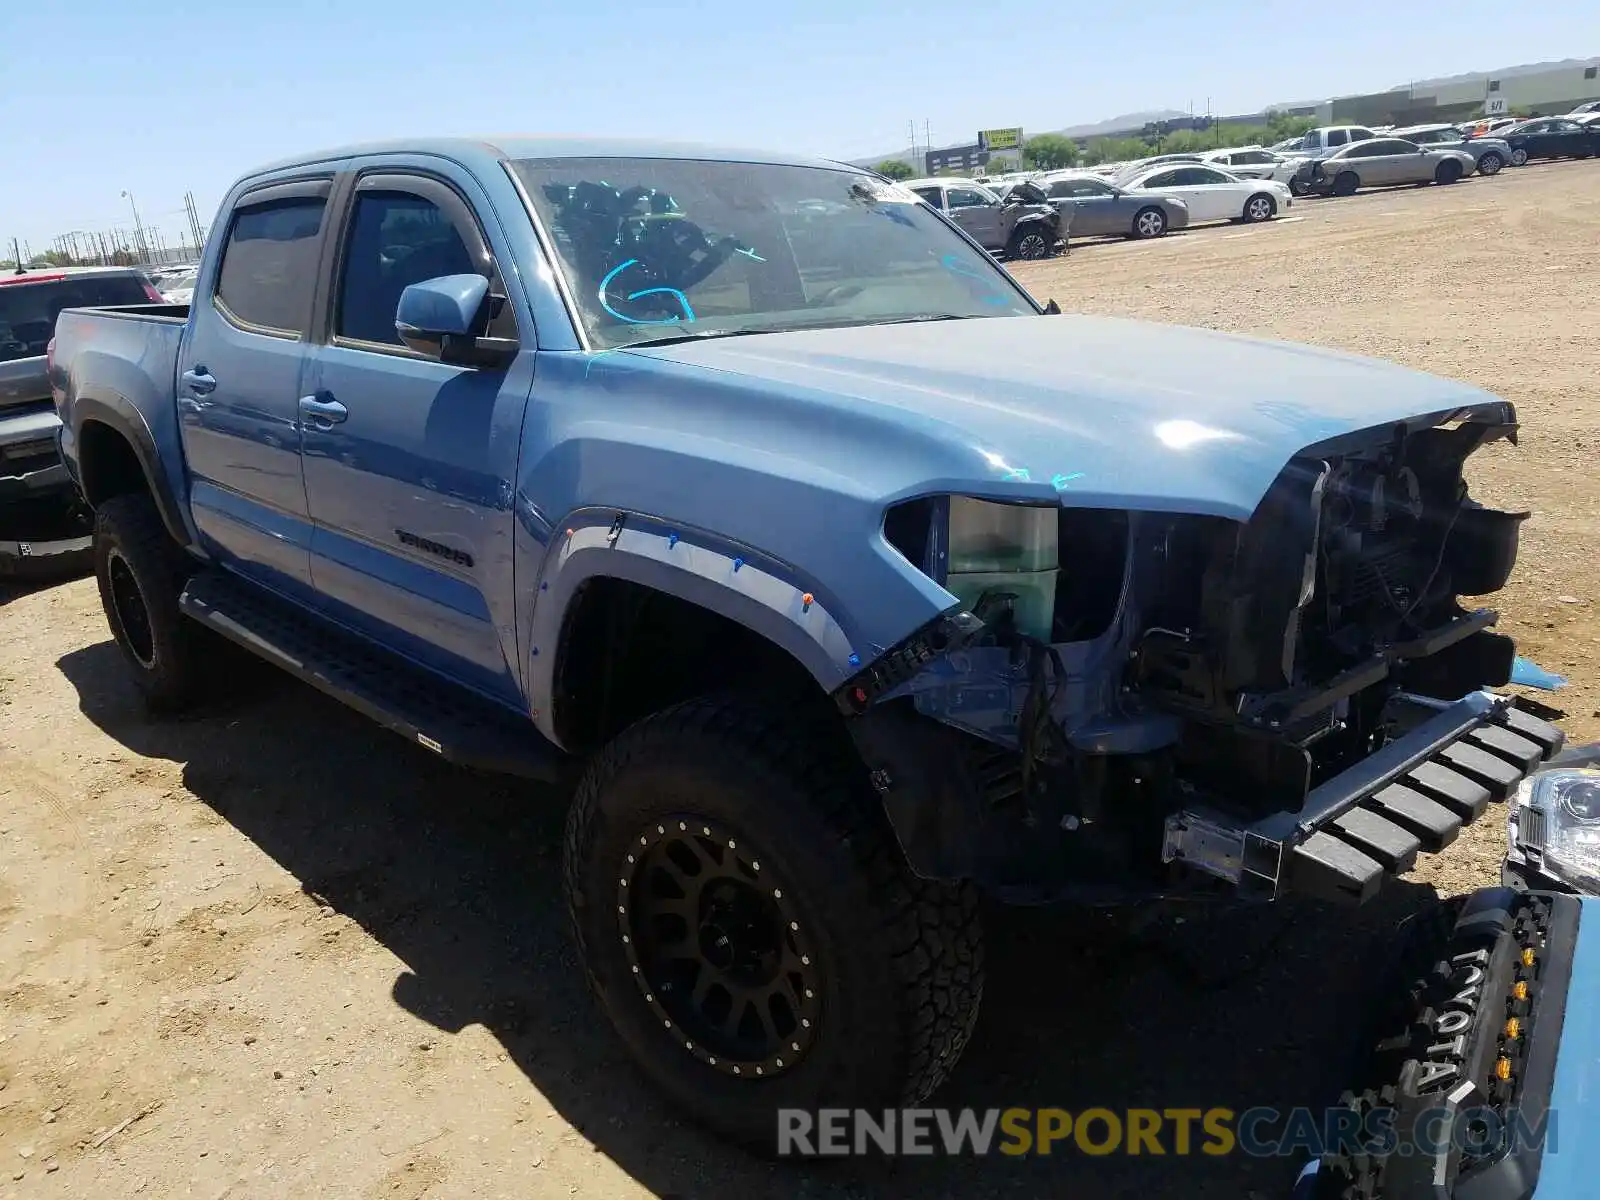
x=28, y=310
x=656, y=248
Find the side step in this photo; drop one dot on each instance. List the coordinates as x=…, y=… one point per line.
x=421, y=707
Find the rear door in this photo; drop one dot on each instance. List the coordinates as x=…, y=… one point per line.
x=239, y=381
x=1568, y=137
x=410, y=461
x=978, y=214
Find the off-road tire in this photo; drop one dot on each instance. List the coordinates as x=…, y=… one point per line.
x=1149, y=222
x=901, y=958
x=170, y=664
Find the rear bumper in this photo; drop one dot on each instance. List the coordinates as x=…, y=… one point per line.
x=1414, y=794
x=30, y=456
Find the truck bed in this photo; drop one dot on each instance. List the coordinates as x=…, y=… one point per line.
x=129, y=352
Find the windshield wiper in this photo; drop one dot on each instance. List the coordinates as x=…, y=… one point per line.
x=672, y=339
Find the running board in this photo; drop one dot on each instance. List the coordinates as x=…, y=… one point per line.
x=421, y=707
x=1414, y=795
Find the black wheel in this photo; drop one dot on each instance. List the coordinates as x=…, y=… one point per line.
x=749, y=927
x=1449, y=171
x=141, y=573
x=1260, y=207
x=1149, y=223
x=1345, y=183
x=1490, y=164
x=1031, y=241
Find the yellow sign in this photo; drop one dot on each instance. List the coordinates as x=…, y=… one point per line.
x=1000, y=139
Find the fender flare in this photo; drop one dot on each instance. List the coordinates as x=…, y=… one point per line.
x=120, y=415
x=742, y=584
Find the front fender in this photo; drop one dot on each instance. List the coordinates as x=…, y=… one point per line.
x=743, y=584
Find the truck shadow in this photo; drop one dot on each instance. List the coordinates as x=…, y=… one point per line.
x=458, y=876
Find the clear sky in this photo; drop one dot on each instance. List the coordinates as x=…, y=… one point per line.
x=102, y=96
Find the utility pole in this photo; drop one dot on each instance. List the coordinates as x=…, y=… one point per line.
x=138, y=228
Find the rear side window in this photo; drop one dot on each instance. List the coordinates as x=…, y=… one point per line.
x=931, y=195
x=269, y=265
x=28, y=311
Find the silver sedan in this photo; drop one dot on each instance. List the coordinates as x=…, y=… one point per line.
x=1383, y=162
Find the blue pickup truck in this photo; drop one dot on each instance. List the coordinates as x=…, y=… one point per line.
x=844, y=579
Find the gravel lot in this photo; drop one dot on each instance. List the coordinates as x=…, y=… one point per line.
x=275, y=952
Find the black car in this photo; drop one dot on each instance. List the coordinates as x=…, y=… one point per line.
x=1550, y=137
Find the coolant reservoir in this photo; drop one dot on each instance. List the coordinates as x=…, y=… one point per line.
x=1008, y=548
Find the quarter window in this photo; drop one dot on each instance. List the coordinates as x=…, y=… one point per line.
x=270, y=263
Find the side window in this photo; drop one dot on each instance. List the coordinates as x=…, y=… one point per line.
x=270, y=264
x=1199, y=176
x=1311, y=141
x=1361, y=135
x=1336, y=137
x=1161, y=180
x=395, y=239
x=967, y=198
x=931, y=194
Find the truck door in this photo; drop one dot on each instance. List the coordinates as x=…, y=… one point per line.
x=979, y=215
x=410, y=461
x=239, y=380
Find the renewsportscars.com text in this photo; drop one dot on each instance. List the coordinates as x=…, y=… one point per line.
x=1258, y=1132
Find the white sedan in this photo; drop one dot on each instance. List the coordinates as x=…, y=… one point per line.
x=1213, y=194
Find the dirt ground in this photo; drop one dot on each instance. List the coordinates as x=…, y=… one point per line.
x=272, y=951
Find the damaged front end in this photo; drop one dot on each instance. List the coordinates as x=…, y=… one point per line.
x=1188, y=704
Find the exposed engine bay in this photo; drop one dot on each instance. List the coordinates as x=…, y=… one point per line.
x=1197, y=663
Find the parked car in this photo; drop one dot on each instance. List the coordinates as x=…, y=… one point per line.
x=1382, y=162
x=1254, y=162
x=42, y=526
x=1326, y=139
x=1212, y=194
x=1489, y=153
x=178, y=287
x=1099, y=208
x=560, y=458
x=1588, y=119
x=1492, y=126
x=1587, y=107
x=1551, y=137
x=1012, y=230
x=1289, y=146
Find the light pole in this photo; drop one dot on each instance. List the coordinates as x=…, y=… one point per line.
x=138, y=227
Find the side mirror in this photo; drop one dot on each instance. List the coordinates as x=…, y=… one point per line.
x=444, y=318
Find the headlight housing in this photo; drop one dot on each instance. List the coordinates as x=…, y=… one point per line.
x=1554, y=820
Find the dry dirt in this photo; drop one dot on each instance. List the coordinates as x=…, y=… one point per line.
x=273, y=951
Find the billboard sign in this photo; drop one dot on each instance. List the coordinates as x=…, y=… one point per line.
x=1000, y=139
x=955, y=158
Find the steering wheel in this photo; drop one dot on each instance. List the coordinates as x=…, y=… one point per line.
x=839, y=293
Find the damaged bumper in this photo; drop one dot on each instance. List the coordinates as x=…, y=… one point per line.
x=1413, y=795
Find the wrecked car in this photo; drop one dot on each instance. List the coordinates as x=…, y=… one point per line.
x=845, y=579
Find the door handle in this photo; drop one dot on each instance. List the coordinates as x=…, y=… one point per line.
x=324, y=413
x=199, y=381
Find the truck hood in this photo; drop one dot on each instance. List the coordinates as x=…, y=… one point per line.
x=1106, y=412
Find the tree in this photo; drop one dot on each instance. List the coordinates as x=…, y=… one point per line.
x=53, y=258
x=999, y=166
x=894, y=168
x=1050, y=151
